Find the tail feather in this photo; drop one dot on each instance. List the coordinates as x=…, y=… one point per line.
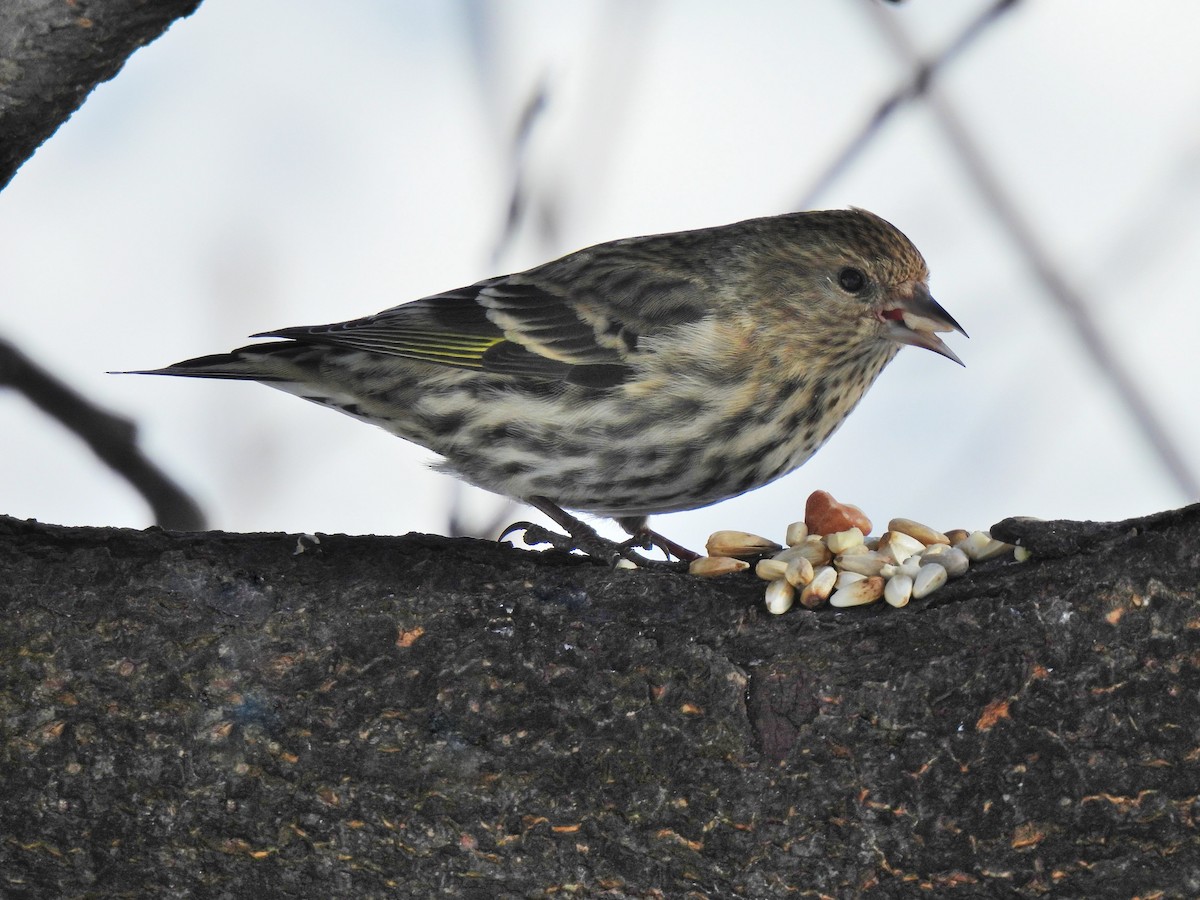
x=257, y=362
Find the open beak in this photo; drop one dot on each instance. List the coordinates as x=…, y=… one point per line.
x=916, y=321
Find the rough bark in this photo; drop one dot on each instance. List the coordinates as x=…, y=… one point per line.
x=53, y=52
x=232, y=715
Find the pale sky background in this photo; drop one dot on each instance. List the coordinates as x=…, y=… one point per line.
x=270, y=164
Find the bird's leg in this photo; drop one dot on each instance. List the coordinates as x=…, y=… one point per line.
x=643, y=537
x=581, y=536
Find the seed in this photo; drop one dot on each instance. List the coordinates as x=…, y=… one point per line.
x=953, y=560
x=980, y=546
x=845, y=579
x=818, y=590
x=813, y=549
x=711, y=566
x=956, y=536
x=922, y=533
x=770, y=569
x=799, y=572
x=1021, y=554
x=899, y=546
x=624, y=563
x=797, y=533
x=868, y=590
x=993, y=549
x=780, y=595
x=841, y=541
x=897, y=590
x=738, y=543
x=929, y=579
x=867, y=563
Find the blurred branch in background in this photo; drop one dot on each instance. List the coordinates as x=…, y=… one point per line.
x=111, y=438
x=1064, y=295
x=912, y=89
x=609, y=76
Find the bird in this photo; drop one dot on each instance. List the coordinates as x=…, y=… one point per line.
x=640, y=376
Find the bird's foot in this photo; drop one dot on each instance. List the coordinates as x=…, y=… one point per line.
x=585, y=540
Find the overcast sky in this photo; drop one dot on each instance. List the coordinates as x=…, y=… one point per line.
x=274, y=164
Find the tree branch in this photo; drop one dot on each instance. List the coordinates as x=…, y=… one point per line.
x=53, y=52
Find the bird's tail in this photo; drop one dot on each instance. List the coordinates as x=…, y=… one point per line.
x=258, y=362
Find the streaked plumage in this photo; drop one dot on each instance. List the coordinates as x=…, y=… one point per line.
x=639, y=376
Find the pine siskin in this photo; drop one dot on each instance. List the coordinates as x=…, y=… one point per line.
x=640, y=376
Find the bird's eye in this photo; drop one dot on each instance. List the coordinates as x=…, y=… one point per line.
x=852, y=280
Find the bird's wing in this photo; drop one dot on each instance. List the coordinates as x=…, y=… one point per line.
x=566, y=321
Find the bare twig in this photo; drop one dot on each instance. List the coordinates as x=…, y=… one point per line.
x=111, y=438
x=922, y=75
x=1068, y=300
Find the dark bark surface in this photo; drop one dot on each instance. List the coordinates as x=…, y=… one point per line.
x=240, y=715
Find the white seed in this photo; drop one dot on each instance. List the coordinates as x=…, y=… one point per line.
x=711, y=566
x=780, y=595
x=899, y=546
x=1021, y=554
x=624, y=563
x=770, y=569
x=889, y=570
x=911, y=566
x=799, y=572
x=868, y=590
x=797, y=533
x=922, y=533
x=957, y=536
x=929, y=579
x=868, y=563
x=845, y=579
x=818, y=590
x=841, y=541
x=993, y=549
x=973, y=543
x=738, y=543
x=813, y=549
x=897, y=590
x=953, y=560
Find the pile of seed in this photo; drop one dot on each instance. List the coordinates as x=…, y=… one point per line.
x=843, y=565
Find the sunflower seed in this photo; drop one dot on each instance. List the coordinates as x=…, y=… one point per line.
x=738, y=543
x=818, y=590
x=953, y=560
x=770, y=569
x=780, y=595
x=897, y=590
x=799, y=572
x=922, y=533
x=841, y=541
x=868, y=563
x=860, y=593
x=929, y=579
x=711, y=566
x=797, y=533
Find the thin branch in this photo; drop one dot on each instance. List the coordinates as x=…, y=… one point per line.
x=922, y=75
x=1064, y=295
x=111, y=438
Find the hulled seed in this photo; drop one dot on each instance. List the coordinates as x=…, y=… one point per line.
x=860, y=593
x=929, y=579
x=780, y=595
x=711, y=566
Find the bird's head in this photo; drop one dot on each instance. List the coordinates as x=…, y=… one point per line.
x=869, y=276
